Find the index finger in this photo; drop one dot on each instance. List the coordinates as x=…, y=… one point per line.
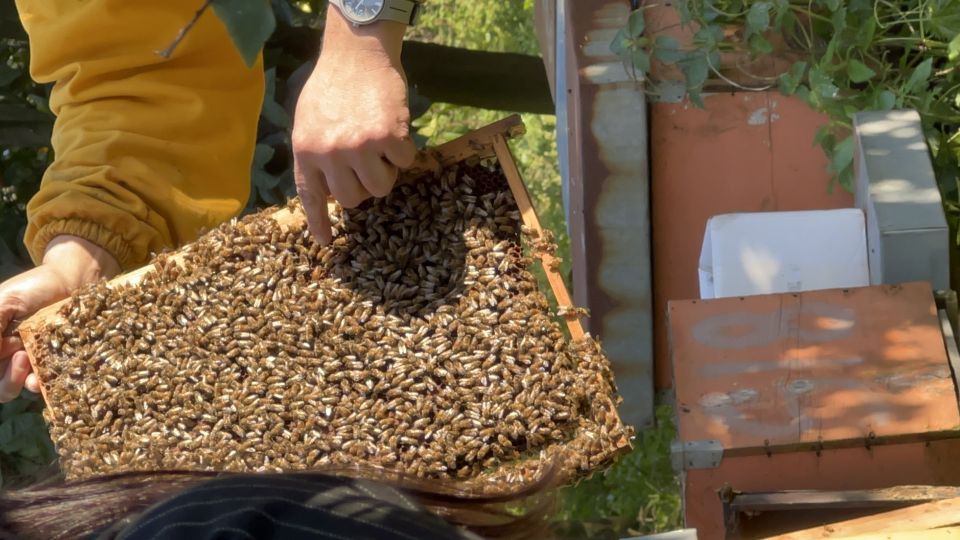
x=312, y=188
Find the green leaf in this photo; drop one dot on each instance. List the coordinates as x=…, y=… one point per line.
x=695, y=70
x=249, y=23
x=683, y=7
x=696, y=98
x=866, y=30
x=710, y=13
x=276, y=114
x=758, y=18
x=270, y=84
x=271, y=110
x=8, y=75
x=620, y=43
x=846, y=178
x=953, y=48
x=787, y=84
x=759, y=44
x=821, y=83
x=830, y=51
x=832, y=5
x=823, y=133
x=842, y=155
x=859, y=72
x=641, y=60
x=667, y=50
x=944, y=18
x=708, y=37
x=839, y=20
x=262, y=155
x=790, y=81
x=636, y=24
x=886, y=100
x=920, y=74
x=781, y=13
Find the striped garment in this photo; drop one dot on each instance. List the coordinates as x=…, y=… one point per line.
x=288, y=508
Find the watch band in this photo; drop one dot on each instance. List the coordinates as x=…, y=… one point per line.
x=403, y=11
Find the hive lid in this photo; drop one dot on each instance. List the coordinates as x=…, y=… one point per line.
x=812, y=370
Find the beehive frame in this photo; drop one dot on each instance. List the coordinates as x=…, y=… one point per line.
x=485, y=143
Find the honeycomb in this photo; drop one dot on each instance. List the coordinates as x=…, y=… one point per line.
x=417, y=342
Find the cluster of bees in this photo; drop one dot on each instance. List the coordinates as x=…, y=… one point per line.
x=417, y=341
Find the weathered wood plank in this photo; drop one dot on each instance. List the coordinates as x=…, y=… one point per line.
x=915, y=518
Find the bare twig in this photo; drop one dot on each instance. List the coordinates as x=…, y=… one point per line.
x=183, y=31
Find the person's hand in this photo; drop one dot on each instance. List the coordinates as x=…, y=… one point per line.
x=352, y=123
x=68, y=263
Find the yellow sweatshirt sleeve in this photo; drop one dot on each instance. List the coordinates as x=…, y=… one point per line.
x=149, y=151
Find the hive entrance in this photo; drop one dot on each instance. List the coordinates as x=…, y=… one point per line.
x=417, y=341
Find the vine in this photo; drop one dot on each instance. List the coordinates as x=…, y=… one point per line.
x=853, y=55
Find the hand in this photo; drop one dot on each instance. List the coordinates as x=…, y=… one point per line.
x=69, y=263
x=352, y=123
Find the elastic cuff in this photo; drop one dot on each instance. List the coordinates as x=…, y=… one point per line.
x=88, y=230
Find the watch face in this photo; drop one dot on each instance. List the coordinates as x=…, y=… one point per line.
x=362, y=11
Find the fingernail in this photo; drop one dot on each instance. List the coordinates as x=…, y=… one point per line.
x=32, y=383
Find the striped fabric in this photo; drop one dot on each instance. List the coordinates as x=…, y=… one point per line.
x=285, y=507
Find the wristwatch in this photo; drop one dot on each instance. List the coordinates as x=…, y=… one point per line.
x=361, y=12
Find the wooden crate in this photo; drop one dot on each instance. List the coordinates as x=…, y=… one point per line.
x=823, y=390
x=801, y=514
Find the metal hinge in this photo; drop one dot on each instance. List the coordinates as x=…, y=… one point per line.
x=695, y=455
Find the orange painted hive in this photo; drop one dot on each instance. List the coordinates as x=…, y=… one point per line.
x=823, y=390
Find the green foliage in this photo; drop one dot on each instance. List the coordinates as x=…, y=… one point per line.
x=499, y=27
x=25, y=447
x=855, y=55
x=249, y=23
x=483, y=24
x=639, y=494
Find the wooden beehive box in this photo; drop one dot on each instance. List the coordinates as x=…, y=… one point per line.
x=823, y=390
x=584, y=448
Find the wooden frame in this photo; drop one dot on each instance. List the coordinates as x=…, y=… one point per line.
x=762, y=514
x=912, y=522
x=484, y=143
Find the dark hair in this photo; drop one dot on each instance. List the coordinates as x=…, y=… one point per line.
x=67, y=510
